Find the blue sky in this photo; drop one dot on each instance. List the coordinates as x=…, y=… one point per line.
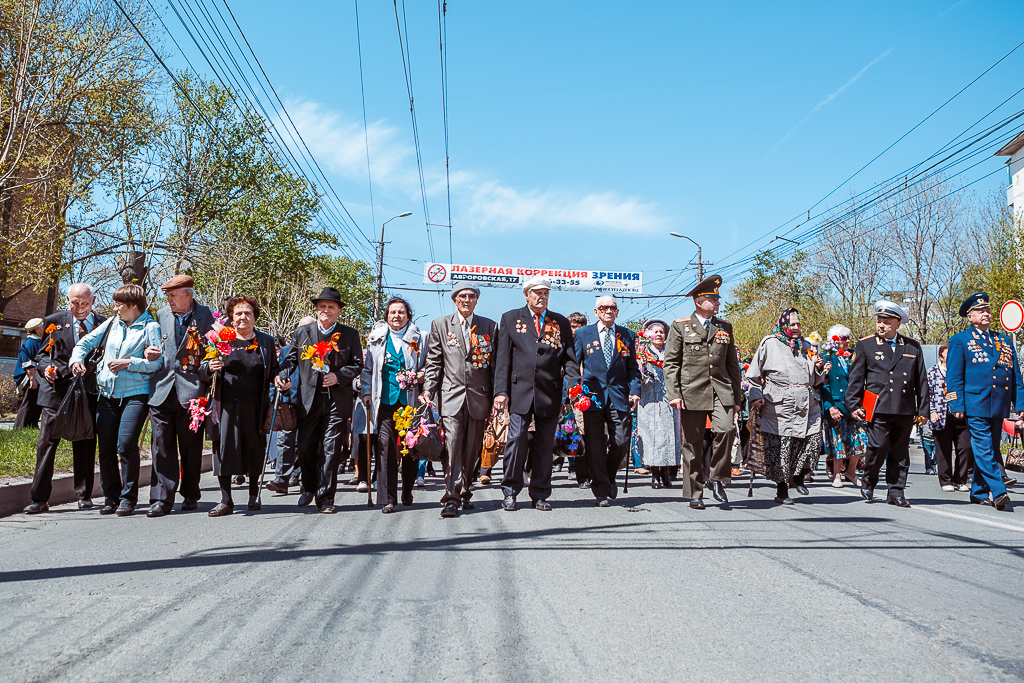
x=580, y=134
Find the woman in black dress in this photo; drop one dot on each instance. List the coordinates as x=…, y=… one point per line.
x=246, y=373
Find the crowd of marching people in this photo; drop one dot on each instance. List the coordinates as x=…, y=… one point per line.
x=676, y=402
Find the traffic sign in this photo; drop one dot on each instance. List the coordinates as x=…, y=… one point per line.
x=1011, y=316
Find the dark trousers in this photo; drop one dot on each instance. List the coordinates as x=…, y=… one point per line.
x=119, y=424
x=174, y=442
x=83, y=459
x=538, y=451
x=581, y=463
x=954, y=440
x=388, y=458
x=28, y=411
x=888, y=435
x=362, y=466
x=287, y=455
x=464, y=439
x=606, y=450
x=320, y=433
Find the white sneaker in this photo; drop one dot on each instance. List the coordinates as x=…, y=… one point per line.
x=963, y=487
x=362, y=488
x=949, y=487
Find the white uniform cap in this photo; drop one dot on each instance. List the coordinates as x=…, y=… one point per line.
x=536, y=282
x=888, y=309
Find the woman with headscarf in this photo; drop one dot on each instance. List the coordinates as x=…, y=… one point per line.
x=657, y=422
x=845, y=438
x=783, y=380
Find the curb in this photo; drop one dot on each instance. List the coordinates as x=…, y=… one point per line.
x=15, y=496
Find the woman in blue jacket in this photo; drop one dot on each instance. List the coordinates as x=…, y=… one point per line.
x=845, y=438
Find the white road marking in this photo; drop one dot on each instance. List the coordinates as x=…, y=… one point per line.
x=943, y=513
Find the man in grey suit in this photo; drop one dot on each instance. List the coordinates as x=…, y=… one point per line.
x=460, y=364
x=183, y=322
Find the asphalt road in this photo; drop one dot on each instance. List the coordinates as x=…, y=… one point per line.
x=831, y=588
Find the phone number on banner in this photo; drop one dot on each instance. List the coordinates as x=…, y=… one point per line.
x=561, y=279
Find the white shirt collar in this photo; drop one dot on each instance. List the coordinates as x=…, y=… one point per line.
x=465, y=321
x=601, y=327
x=702, y=319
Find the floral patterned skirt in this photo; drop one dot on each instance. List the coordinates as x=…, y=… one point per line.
x=847, y=439
x=786, y=456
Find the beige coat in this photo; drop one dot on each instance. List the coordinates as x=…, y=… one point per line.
x=787, y=383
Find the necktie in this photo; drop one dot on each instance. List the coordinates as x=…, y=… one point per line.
x=608, y=348
x=707, y=324
x=536, y=319
x=465, y=334
x=81, y=330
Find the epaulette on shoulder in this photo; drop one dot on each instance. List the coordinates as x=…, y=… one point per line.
x=682, y=320
x=867, y=337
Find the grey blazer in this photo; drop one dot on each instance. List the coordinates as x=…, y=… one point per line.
x=463, y=375
x=187, y=384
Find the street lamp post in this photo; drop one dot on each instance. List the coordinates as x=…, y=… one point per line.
x=379, y=295
x=700, y=261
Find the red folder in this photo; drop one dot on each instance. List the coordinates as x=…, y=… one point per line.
x=870, y=398
x=1011, y=427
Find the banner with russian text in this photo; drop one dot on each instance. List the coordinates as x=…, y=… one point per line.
x=566, y=279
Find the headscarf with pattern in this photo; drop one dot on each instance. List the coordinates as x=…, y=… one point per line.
x=784, y=331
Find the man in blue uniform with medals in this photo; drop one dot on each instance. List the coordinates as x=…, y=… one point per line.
x=983, y=383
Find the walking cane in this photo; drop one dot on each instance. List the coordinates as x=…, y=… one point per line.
x=270, y=442
x=629, y=460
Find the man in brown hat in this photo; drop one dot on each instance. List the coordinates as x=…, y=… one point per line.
x=702, y=377
x=325, y=397
x=183, y=322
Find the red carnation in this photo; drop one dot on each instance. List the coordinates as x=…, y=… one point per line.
x=583, y=403
x=575, y=391
x=227, y=334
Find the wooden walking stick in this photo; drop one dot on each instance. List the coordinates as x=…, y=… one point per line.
x=369, y=465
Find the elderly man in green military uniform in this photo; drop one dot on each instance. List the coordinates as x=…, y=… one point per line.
x=702, y=377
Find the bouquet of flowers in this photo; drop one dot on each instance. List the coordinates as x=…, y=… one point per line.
x=831, y=348
x=403, y=420
x=406, y=378
x=645, y=351
x=568, y=433
x=198, y=411
x=316, y=353
x=582, y=399
x=815, y=340
x=218, y=337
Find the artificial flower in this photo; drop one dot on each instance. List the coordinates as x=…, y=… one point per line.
x=50, y=328
x=227, y=334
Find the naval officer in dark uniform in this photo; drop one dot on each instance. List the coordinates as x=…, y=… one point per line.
x=975, y=355
x=888, y=376
x=702, y=378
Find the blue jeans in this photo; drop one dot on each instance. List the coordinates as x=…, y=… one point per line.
x=118, y=426
x=928, y=446
x=423, y=469
x=986, y=436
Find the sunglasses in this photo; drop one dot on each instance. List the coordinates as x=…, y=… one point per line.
x=607, y=308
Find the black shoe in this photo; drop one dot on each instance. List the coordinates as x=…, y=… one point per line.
x=407, y=502
x=981, y=501
x=718, y=491
x=802, y=490
x=305, y=499
x=239, y=479
x=604, y=502
x=896, y=498
x=1001, y=501
x=467, y=504
x=327, y=509
x=157, y=509
x=656, y=483
x=697, y=504
x=125, y=509
x=585, y=484
x=254, y=503
x=868, y=492
x=450, y=510
x=278, y=486
x=509, y=504
x=36, y=508
x=85, y=504
x=1009, y=481
x=189, y=504
x=542, y=505
x=108, y=509
x=783, y=501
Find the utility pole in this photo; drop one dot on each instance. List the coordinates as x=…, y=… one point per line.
x=700, y=261
x=378, y=298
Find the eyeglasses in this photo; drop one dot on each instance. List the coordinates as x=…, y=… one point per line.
x=466, y=297
x=607, y=308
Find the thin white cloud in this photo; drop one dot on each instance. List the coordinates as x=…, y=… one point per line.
x=951, y=8
x=828, y=100
x=338, y=143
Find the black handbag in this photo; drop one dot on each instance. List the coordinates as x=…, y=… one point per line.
x=1014, y=458
x=74, y=420
x=426, y=424
x=94, y=358
x=285, y=419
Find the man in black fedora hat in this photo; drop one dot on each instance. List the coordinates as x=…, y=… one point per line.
x=325, y=395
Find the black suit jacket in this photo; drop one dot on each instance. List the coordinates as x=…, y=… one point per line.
x=271, y=368
x=899, y=379
x=346, y=363
x=51, y=395
x=529, y=369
